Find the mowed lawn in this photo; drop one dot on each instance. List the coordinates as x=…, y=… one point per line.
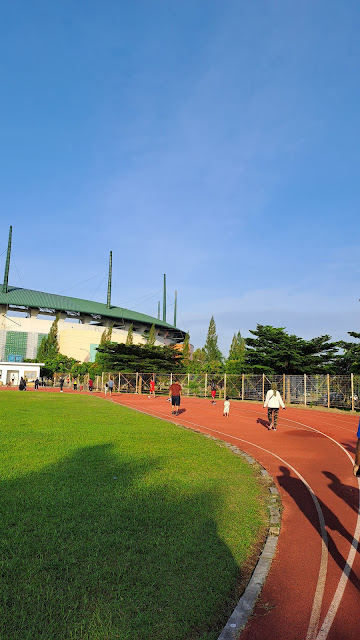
x=114, y=524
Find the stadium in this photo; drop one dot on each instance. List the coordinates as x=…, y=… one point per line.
x=27, y=315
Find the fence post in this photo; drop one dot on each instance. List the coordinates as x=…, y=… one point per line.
x=102, y=380
x=263, y=387
x=205, y=385
x=242, y=385
x=188, y=384
x=305, y=388
x=170, y=379
x=352, y=391
x=136, y=382
x=284, y=388
x=224, y=386
x=288, y=382
x=328, y=389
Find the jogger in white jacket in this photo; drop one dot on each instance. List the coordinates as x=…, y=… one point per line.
x=273, y=401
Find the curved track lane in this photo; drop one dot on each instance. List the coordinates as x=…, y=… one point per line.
x=313, y=588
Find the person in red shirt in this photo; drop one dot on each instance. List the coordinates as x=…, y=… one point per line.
x=90, y=385
x=152, y=388
x=175, y=394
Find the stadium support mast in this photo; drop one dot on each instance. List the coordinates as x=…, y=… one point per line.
x=175, y=308
x=5, y=287
x=164, y=300
x=108, y=304
x=159, y=310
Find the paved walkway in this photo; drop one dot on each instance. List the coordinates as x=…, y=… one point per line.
x=313, y=588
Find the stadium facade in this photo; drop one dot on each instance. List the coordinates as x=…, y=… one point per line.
x=26, y=316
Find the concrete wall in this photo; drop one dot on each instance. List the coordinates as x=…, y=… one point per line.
x=16, y=370
x=75, y=339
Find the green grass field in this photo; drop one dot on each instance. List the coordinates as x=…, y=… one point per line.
x=114, y=524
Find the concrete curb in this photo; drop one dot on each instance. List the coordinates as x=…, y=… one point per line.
x=244, y=608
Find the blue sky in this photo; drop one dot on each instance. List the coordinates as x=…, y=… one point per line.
x=216, y=142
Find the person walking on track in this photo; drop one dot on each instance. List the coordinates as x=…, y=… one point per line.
x=273, y=401
x=175, y=394
x=152, y=389
x=213, y=392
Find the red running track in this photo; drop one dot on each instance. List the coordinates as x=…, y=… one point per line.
x=312, y=590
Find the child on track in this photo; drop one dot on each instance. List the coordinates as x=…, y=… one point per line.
x=226, y=407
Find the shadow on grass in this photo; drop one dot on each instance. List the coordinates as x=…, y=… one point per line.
x=93, y=547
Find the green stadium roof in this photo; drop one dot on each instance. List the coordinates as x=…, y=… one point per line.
x=38, y=300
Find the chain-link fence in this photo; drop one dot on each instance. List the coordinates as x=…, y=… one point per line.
x=319, y=390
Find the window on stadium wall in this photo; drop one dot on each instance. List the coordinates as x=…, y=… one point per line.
x=15, y=346
x=93, y=352
x=39, y=339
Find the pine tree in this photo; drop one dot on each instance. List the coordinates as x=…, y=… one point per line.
x=186, y=351
x=109, y=332
x=213, y=355
x=130, y=336
x=273, y=350
x=49, y=345
x=197, y=362
x=150, y=340
x=105, y=339
x=236, y=360
x=136, y=357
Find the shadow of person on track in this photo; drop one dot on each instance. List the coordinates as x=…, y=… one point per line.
x=346, y=492
x=349, y=447
x=300, y=494
x=264, y=423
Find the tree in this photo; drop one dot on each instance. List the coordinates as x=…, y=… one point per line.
x=49, y=345
x=105, y=339
x=186, y=351
x=142, y=358
x=130, y=336
x=58, y=363
x=273, y=350
x=236, y=360
x=151, y=337
x=197, y=362
x=213, y=355
x=349, y=360
x=79, y=370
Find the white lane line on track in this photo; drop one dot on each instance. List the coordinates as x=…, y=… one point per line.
x=330, y=616
x=315, y=614
x=320, y=586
